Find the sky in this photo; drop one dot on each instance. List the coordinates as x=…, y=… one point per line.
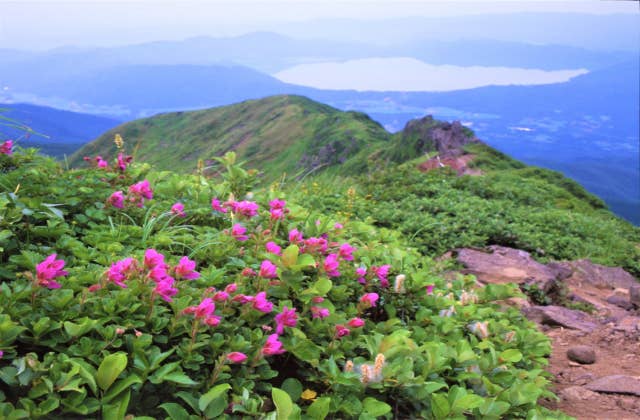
x=45, y=24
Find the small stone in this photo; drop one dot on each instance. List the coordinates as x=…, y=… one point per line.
x=577, y=393
x=634, y=294
x=582, y=354
x=616, y=384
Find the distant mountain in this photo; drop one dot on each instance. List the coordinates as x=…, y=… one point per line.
x=56, y=132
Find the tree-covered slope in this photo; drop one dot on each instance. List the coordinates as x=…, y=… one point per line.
x=278, y=134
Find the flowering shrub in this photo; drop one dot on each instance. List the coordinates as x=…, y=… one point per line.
x=252, y=307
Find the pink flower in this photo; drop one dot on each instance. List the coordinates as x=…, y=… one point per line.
x=116, y=200
x=165, y=289
x=120, y=270
x=236, y=357
x=158, y=273
x=331, y=265
x=261, y=303
x=220, y=296
x=5, y=148
x=276, y=214
x=277, y=204
x=346, y=252
x=216, y=206
x=123, y=161
x=245, y=208
x=48, y=270
x=238, y=231
x=153, y=258
x=342, y=331
x=101, y=162
x=273, y=248
x=1, y=354
x=243, y=299
x=369, y=299
x=248, y=272
x=286, y=318
x=272, y=346
x=268, y=270
x=317, y=312
x=295, y=236
x=186, y=269
x=430, y=288
x=317, y=299
x=178, y=209
x=204, y=310
x=355, y=322
x=212, y=321
x=382, y=272
x=361, y=272
x=231, y=288
x=312, y=245
x=141, y=191
x=338, y=226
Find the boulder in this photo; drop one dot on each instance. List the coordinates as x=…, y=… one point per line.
x=561, y=316
x=506, y=265
x=634, y=294
x=616, y=384
x=584, y=271
x=577, y=393
x=585, y=355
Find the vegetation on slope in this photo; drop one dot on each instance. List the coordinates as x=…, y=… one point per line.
x=278, y=134
x=121, y=322
x=512, y=204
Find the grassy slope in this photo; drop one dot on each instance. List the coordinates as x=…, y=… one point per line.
x=272, y=134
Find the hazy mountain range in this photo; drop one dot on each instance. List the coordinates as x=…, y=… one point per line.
x=586, y=127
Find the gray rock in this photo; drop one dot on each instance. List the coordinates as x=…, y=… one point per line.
x=634, y=294
x=582, y=354
x=558, y=315
x=616, y=384
x=598, y=275
x=506, y=265
x=620, y=301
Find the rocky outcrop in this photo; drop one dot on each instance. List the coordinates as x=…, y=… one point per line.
x=584, y=271
x=499, y=264
x=616, y=384
x=560, y=316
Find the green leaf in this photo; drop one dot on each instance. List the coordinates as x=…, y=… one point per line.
x=293, y=387
x=76, y=330
x=175, y=411
x=319, y=409
x=179, y=378
x=495, y=409
x=304, y=260
x=375, y=407
x=323, y=285
x=284, y=405
x=290, y=256
x=110, y=368
x=211, y=395
x=118, y=409
x=120, y=386
x=511, y=355
x=440, y=406
x=466, y=403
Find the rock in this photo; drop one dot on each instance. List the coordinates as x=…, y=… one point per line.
x=598, y=275
x=558, y=315
x=634, y=294
x=577, y=393
x=620, y=301
x=514, y=302
x=582, y=354
x=616, y=384
x=506, y=265
x=628, y=324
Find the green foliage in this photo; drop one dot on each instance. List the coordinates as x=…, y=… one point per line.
x=94, y=349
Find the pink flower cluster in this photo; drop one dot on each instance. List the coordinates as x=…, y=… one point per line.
x=205, y=312
x=245, y=208
x=6, y=148
x=138, y=193
x=178, y=209
x=153, y=267
x=48, y=270
x=124, y=161
x=277, y=209
x=98, y=161
x=381, y=273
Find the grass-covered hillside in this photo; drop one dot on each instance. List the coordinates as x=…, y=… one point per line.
x=278, y=134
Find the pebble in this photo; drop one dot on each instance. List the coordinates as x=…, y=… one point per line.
x=582, y=354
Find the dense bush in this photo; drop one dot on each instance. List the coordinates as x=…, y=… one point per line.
x=149, y=294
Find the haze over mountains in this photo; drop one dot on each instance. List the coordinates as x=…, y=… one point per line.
x=586, y=127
